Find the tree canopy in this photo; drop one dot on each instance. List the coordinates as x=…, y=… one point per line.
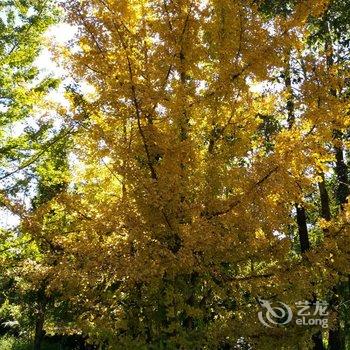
x=205, y=174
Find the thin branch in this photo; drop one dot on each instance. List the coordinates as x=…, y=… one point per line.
x=232, y=205
x=46, y=147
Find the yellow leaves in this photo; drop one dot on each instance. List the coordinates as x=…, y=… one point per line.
x=302, y=11
x=85, y=45
x=260, y=234
x=324, y=224
x=186, y=170
x=319, y=7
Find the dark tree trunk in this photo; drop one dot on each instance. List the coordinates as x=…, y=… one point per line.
x=341, y=171
x=39, y=328
x=304, y=247
x=302, y=229
x=324, y=197
x=301, y=213
x=318, y=342
x=40, y=317
x=335, y=339
x=335, y=336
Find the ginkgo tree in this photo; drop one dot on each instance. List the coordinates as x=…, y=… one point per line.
x=178, y=218
x=198, y=180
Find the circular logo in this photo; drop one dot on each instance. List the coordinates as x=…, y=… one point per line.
x=274, y=315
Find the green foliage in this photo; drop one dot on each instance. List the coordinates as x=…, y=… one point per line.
x=22, y=87
x=15, y=343
x=12, y=343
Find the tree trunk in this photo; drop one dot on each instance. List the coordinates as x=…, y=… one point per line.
x=324, y=197
x=318, y=342
x=301, y=213
x=335, y=336
x=304, y=247
x=39, y=327
x=40, y=317
x=302, y=229
x=341, y=171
